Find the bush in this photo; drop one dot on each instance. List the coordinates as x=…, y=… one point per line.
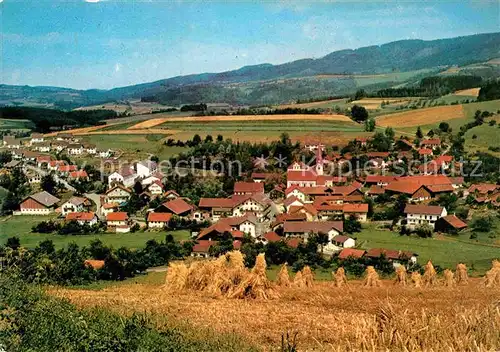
x=424, y=231
x=482, y=224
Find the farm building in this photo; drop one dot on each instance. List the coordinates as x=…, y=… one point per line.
x=82, y=218
x=42, y=203
x=75, y=205
x=116, y=219
x=450, y=224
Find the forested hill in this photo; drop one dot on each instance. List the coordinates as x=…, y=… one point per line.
x=242, y=85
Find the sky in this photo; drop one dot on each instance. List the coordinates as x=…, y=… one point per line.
x=104, y=43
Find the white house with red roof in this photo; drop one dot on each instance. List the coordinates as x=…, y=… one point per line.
x=155, y=188
x=419, y=214
x=248, y=188
x=126, y=176
x=82, y=218
x=158, y=220
x=41, y=203
x=115, y=219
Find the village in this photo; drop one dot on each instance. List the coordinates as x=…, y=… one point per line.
x=305, y=200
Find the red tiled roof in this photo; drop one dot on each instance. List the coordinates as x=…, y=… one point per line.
x=178, y=206
x=248, y=187
x=380, y=178
x=454, y=221
x=423, y=209
x=425, y=151
x=355, y=208
x=403, y=187
x=294, y=242
x=374, y=189
x=202, y=246
x=216, y=203
x=483, y=188
x=237, y=220
x=219, y=228
x=117, y=216
x=159, y=217
x=78, y=174
x=120, y=187
x=312, y=226
x=83, y=216
x=110, y=205
x=57, y=163
x=456, y=180
x=66, y=168
x=43, y=159
x=309, y=176
x=290, y=200
x=377, y=154
x=308, y=207
x=31, y=204
x=441, y=188
x=434, y=141
x=272, y=236
x=340, y=238
x=351, y=252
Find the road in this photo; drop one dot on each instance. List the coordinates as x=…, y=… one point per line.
x=56, y=177
x=96, y=198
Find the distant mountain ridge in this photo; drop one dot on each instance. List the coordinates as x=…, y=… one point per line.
x=398, y=56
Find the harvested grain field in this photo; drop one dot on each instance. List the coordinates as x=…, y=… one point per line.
x=77, y=131
x=474, y=92
x=311, y=105
x=127, y=131
x=246, y=118
x=421, y=117
x=147, y=124
x=390, y=317
x=376, y=103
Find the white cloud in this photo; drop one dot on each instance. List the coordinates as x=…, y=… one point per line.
x=93, y=1
x=118, y=67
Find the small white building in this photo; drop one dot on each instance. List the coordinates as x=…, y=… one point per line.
x=75, y=149
x=126, y=177
x=91, y=149
x=146, y=168
x=118, y=194
x=116, y=219
x=74, y=205
x=37, y=138
x=418, y=214
x=155, y=188
x=103, y=153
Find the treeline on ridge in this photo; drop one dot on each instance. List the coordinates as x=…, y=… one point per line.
x=46, y=120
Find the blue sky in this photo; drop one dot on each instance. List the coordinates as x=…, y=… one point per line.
x=107, y=44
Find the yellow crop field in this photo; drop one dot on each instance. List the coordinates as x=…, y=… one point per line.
x=468, y=92
x=246, y=118
x=375, y=103
x=310, y=105
x=421, y=117
x=348, y=318
x=147, y=124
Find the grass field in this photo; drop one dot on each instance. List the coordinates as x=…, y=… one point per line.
x=134, y=147
x=486, y=136
x=21, y=226
x=13, y=124
x=476, y=255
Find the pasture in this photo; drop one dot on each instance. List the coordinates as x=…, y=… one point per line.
x=135, y=146
x=14, y=124
x=20, y=226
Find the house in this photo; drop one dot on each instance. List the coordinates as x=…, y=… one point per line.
x=304, y=228
x=43, y=161
x=11, y=142
x=281, y=218
x=78, y=175
x=313, y=145
x=202, y=247
x=257, y=204
x=82, y=218
x=263, y=177
x=359, y=211
x=424, y=151
x=146, y=168
x=63, y=136
x=66, y=169
x=33, y=177
x=420, y=188
x=42, y=147
x=342, y=241
x=13, y=164
x=177, y=206
x=397, y=257
x=115, y=219
x=423, y=214
x=37, y=138
x=351, y=253
x=126, y=176
x=155, y=188
x=54, y=164
x=171, y=194
x=248, y=188
x=380, y=180
x=375, y=190
x=450, y=224
x=107, y=208
x=270, y=236
x=41, y=203
x=90, y=149
x=214, y=208
x=149, y=180
x=431, y=143
x=118, y=194
x=103, y=153
x=246, y=224
x=59, y=145
x=158, y=220
x=75, y=205
x=75, y=149
x=218, y=230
